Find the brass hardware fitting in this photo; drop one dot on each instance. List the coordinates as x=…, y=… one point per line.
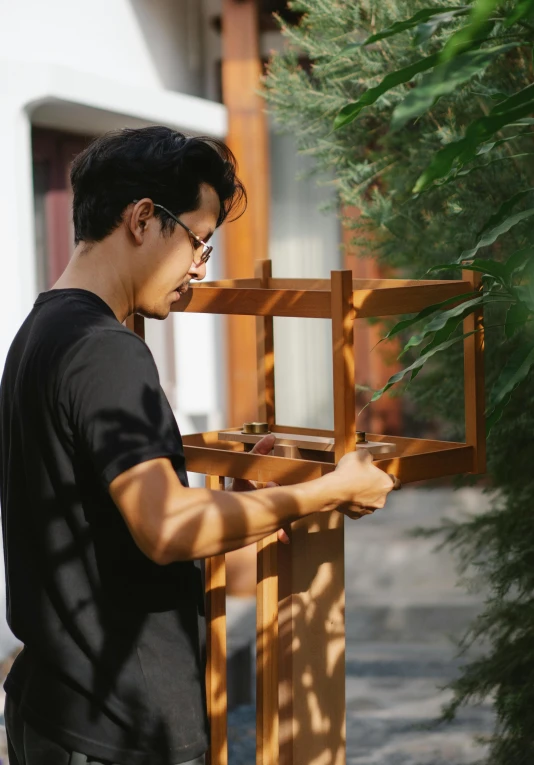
x=256, y=428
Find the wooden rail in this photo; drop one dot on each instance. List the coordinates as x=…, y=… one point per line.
x=371, y=298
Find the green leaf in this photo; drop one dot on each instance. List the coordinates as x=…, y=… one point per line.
x=444, y=79
x=504, y=209
x=421, y=361
x=352, y=110
x=428, y=311
x=420, y=17
x=488, y=267
x=516, y=317
x=480, y=130
x=523, y=10
x=449, y=319
x=487, y=147
x=494, y=233
x=524, y=293
x=518, y=260
x=479, y=25
x=515, y=371
x=425, y=30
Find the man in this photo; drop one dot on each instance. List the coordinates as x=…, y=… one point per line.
x=100, y=530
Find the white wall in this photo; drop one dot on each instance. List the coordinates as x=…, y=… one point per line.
x=304, y=243
x=86, y=67
x=148, y=43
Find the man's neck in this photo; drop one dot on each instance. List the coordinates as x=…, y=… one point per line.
x=91, y=268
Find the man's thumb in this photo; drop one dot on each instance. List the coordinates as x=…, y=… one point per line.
x=264, y=446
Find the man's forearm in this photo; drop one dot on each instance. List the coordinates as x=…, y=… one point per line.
x=207, y=523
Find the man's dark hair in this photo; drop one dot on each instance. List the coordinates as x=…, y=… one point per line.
x=154, y=162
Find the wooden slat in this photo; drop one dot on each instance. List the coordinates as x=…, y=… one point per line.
x=309, y=443
x=343, y=363
x=303, y=431
x=252, y=467
x=265, y=353
x=408, y=446
x=405, y=446
x=267, y=653
x=216, y=689
x=287, y=730
x=136, y=323
x=417, y=466
x=392, y=302
x=233, y=283
x=416, y=459
x=255, y=302
x=360, y=284
x=474, y=389
x=267, y=562
x=422, y=467
x=315, y=304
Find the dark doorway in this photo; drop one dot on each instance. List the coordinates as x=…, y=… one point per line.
x=52, y=152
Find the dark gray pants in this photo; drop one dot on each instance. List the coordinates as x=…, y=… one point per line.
x=27, y=747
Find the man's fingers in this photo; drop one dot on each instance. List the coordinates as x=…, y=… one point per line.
x=396, y=483
x=283, y=536
x=264, y=445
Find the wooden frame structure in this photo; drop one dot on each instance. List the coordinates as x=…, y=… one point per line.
x=300, y=591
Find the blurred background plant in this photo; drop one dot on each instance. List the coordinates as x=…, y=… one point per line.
x=423, y=114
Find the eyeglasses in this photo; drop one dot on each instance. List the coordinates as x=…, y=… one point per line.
x=197, y=241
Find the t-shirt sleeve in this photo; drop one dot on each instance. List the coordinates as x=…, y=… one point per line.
x=118, y=412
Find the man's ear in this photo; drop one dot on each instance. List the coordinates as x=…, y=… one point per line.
x=140, y=214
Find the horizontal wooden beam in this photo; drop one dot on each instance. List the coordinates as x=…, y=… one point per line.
x=357, y=284
x=255, y=302
x=393, y=297
x=422, y=467
x=229, y=283
x=253, y=467
x=418, y=460
x=390, y=301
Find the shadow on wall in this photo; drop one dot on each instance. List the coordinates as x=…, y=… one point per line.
x=173, y=35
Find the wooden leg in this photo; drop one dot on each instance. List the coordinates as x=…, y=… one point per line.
x=216, y=651
x=312, y=643
x=267, y=653
x=474, y=393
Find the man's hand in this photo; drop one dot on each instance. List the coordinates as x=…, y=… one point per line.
x=264, y=446
x=363, y=484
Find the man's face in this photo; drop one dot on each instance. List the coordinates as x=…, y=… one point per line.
x=165, y=264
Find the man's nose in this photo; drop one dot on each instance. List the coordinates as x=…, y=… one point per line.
x=197, y=271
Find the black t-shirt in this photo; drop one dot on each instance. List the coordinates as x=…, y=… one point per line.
x=111, y=665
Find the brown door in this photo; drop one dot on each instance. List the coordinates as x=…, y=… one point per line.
x=53, y=151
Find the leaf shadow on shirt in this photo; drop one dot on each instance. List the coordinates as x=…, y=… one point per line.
x=128, y=596
x=117, y=631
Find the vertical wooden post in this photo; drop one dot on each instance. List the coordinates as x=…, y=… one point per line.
x=312, y=588
x=474, y=389
x=246, y=239
x=216, y=692
x=343, y=363
x=265, y=353
x=267, y=575
x=267, y=653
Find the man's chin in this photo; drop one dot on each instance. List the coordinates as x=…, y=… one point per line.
x=157, y=312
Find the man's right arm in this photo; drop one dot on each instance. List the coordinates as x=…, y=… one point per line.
x=170, y=522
